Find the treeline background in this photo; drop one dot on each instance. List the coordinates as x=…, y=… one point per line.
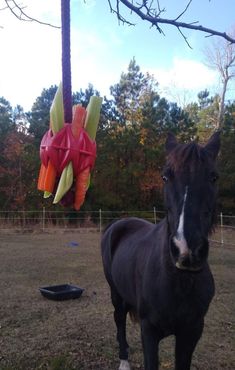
x=130, y=145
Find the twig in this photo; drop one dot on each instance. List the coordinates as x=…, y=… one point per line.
x=184, y=11
x=185, y=38
x=19, y=13
x=117, y=12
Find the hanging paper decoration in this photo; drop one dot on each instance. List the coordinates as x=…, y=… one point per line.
x=68, y=152
x=68, y=148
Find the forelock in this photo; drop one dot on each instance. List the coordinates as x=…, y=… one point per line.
x=187, y=157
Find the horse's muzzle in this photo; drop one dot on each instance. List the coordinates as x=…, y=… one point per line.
x=186, y=262
x=193, y=258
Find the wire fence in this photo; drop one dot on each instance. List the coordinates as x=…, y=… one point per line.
x=49, y=221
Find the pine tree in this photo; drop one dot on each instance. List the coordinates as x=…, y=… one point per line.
x=39, y=117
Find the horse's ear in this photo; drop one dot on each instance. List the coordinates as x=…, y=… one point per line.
x=213, y=144
x=171, y=142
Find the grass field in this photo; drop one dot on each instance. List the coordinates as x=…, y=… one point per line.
x=36, y=333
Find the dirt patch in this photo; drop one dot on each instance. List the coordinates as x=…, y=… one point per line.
x=36, y=333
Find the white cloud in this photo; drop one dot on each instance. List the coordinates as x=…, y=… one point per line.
x=94, y=61
x=29, y=55
x=185, y=79
x=190, y=74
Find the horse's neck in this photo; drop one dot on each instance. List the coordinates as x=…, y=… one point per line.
x=162, y=242
x=162, y=250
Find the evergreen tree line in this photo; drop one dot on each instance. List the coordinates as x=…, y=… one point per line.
x=130, y=145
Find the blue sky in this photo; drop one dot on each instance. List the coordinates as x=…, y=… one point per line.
x=101, y=49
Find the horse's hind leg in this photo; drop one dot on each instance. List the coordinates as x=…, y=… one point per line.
x=120, y=313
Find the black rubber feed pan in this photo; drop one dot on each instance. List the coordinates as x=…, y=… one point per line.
x=61, y=292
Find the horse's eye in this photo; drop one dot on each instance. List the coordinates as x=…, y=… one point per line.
x=214, y=177
x=164, y=178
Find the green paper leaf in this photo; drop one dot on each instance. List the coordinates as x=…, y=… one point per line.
x=65, y=183
x=57, y=111
x=93, y=115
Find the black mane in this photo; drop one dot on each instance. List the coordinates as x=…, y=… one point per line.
x=188, y=156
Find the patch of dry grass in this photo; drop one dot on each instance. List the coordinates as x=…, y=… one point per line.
x=36, y=333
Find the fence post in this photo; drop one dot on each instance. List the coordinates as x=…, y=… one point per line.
x=154, y=215
x=221, y=229
x=23, y=219
x=100, y=218
x=43, y=218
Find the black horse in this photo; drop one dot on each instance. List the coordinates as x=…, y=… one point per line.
x=159, y=273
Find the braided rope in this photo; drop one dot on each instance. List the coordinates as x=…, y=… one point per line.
x=66, y=61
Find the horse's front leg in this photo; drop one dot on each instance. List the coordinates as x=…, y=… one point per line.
x=150, y=343
x=186, y=341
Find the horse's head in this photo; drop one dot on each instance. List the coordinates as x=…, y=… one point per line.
x=190, y=198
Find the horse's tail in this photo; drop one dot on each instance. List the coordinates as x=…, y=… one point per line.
x=111, y=237
x=106, y=250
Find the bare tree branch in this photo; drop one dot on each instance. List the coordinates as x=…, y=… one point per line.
x=152, y=15
x=18, y=11
x=144, y=9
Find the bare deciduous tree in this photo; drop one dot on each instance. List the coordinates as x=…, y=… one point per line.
x=151, y=13
x=220, y=56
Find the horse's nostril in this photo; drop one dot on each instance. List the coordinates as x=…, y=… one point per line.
x=185, y=260
x=189, y=255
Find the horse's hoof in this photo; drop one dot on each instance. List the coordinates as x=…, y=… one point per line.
x=124, y=365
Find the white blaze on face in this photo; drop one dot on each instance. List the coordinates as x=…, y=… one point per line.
x=124, y=365
x=179, y=239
